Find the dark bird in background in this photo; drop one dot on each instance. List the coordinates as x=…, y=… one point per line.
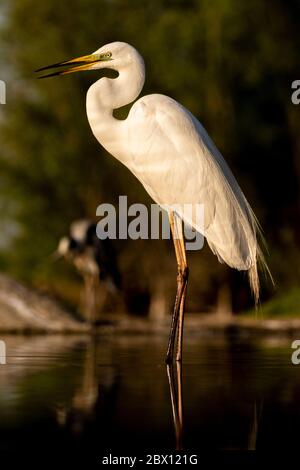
x=94, y=259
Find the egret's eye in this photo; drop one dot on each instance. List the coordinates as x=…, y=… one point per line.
x=104, y=56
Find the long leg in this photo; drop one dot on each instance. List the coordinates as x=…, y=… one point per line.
x=94, y=294
x=174, y=322
x=89, y=297
x=182, y=277
x=185, y=274
x=86, y=296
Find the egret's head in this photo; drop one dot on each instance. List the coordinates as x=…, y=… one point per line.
x=115, y=55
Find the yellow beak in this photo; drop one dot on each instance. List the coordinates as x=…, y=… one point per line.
x=74, y=65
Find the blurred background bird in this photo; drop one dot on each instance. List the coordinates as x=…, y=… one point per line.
x=94, y=259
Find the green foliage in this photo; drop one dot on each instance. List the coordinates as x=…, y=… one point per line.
x=285, y=304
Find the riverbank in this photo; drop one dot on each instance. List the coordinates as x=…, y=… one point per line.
x=24, y=310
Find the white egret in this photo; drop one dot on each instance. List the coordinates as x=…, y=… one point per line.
x=171, y=154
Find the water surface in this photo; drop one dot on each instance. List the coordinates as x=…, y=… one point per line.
x=81, y=395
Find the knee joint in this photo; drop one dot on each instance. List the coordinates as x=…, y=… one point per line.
x=183, y=273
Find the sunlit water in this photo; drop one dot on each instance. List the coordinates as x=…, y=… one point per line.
x=74, y=395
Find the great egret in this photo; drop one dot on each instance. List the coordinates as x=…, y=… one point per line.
x=171, y=154
x=93, y=258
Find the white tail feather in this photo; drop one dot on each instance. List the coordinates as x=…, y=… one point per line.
x=254, y=282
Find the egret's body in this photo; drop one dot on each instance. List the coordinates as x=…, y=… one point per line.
x=171, y=154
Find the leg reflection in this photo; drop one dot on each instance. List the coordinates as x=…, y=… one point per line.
x=175, y=384
x=257, y=412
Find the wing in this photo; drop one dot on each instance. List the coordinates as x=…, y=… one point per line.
x=178, y=163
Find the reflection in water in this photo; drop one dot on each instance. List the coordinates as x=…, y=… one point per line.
x=257, y=413
x=175, y=385
x=88, y=394
x=85, y=394
x=176, y=395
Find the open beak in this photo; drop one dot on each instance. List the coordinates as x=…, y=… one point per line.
x=74, y=65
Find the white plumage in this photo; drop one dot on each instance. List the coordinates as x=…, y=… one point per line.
x=171, y=154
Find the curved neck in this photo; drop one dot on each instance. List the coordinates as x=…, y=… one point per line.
x=108, y=94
